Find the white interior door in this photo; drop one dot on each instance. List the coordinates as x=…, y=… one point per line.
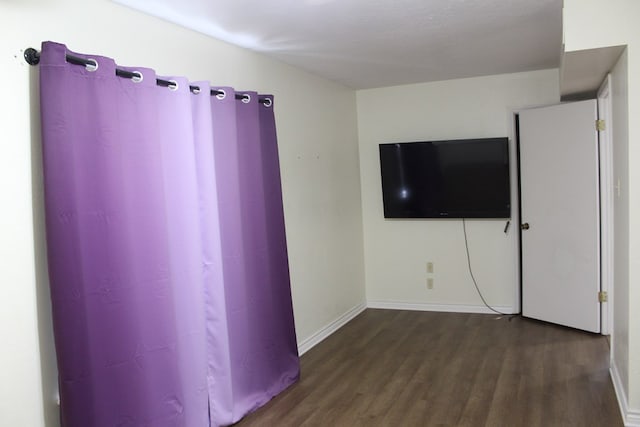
x=560, y=205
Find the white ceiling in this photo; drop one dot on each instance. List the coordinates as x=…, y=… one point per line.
x=375, y=43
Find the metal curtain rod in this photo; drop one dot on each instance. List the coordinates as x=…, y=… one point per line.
x=32, y=56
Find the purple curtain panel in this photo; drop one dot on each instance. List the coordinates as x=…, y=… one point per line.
x=279, y=301
x=168, y=306
x=261, y=362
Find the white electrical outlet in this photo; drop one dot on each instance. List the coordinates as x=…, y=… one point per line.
x=430, y=283
x=429, y=267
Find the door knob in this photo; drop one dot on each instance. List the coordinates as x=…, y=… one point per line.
x=524, y=226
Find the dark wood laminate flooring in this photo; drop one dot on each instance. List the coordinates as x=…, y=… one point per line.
x=410, y=368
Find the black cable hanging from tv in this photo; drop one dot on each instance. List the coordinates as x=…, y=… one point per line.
x=475, y=283
x=32, y=56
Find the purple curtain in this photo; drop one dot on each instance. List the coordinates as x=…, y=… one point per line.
x=166, y=247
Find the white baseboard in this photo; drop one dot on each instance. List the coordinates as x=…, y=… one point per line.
x=630, y=417
x=329, y=329
x=451, y=308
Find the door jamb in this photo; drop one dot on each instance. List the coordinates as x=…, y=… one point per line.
x=606, y=206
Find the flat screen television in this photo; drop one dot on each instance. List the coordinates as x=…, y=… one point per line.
x=464, y=178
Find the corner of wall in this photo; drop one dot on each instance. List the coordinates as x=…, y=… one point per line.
x=324, y=332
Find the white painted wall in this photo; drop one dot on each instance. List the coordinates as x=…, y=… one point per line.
x=620, y=135
x=396, y=251
x=317, y=131
x=599, y=23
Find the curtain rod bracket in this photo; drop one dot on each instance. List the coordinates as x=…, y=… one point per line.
x=32, y=56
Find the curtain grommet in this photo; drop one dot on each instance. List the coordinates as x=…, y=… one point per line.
x=137, y=76
x=267, y=102
x=173, y=85
x=246, y=98
x=91, y=66
x=221, y=94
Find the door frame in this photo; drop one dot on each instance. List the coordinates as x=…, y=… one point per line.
x=606, y=206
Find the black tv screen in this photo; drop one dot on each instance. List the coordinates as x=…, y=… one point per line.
x=465, y=178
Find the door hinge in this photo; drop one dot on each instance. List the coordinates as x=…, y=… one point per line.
x=600, y=125
x=602, y=296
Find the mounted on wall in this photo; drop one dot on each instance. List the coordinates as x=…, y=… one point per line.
x=465, y=178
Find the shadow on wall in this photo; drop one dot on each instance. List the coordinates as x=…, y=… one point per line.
x=48, y=364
